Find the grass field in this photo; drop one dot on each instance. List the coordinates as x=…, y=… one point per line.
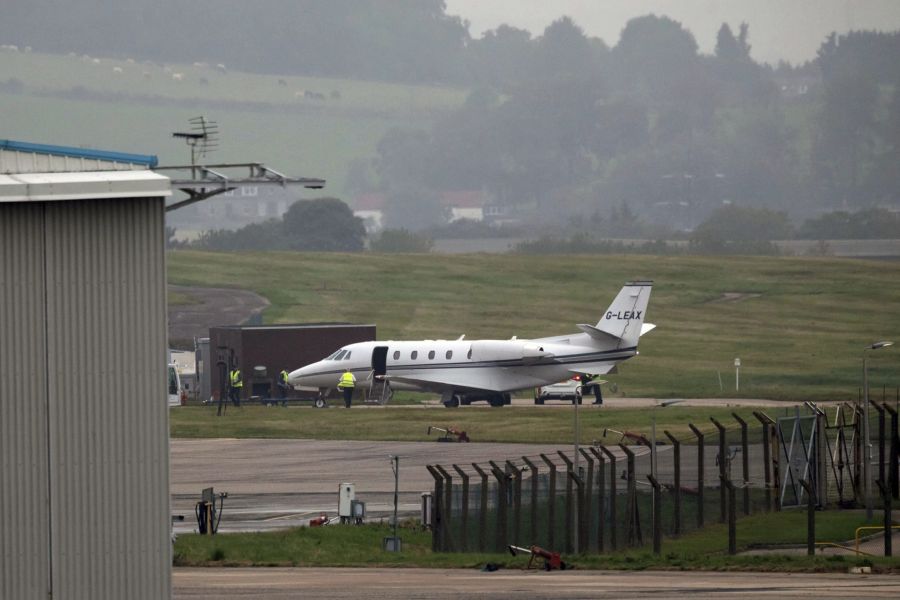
x=798, y=324
x=342, y=546
x=261, y=117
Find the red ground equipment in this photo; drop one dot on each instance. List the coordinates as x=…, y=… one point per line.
x=638, y=438
x=552, y=560
x=451, y=434
x=319, y=521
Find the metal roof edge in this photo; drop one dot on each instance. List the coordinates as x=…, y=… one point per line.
x=143, y=159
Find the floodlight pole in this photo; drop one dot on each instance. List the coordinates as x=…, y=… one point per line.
x=867, y=444
x=395, y=467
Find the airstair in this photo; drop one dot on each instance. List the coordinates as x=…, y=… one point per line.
x=379, y=391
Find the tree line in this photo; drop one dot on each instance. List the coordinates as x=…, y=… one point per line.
x=653, y=125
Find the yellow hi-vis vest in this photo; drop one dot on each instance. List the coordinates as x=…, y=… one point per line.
x=236, y=379
x=347, y=380
x=284, y=376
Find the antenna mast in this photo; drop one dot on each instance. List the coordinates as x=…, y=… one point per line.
x=203, y=138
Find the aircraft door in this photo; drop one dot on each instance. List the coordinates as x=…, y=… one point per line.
x=379, y=360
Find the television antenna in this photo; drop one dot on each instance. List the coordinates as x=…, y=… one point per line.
x=203, y=137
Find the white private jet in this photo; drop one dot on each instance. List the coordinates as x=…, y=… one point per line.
x=463, y=371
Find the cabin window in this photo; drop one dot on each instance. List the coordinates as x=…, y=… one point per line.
x=469, y=355
x=414, y=354
x=348, y=355
x=431, y=355
x=396, y=354
x=449, y=354
x=340, y=355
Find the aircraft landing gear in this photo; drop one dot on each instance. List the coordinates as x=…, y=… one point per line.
x=451, y=400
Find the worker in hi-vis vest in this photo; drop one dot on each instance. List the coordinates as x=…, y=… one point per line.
x=347, y=383
x=235, y=386
x=285, y=386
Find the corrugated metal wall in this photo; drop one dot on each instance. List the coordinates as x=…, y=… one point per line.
x=106, y=417
x=24, y=469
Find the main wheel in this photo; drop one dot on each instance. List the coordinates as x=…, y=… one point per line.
x=496, y=401
x=453, y=402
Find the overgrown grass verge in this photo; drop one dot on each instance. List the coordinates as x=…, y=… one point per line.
x=529, y=425
x=351, y=546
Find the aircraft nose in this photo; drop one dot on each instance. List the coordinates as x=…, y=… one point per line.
x=296, y=377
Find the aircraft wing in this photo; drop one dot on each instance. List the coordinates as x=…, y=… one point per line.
x=442, y=379
x=593, y=369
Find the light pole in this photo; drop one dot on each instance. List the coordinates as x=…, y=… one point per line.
x=867, y=444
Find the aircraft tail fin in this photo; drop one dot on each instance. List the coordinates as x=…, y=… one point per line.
x=624, y=318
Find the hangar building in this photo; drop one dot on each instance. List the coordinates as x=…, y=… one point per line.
x=84, y=470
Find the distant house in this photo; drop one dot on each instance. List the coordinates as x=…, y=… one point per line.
x=370, y=208
x=232, y=210
x=460, y=204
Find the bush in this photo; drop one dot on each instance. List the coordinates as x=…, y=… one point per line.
x=874, y=223
x=401, y=240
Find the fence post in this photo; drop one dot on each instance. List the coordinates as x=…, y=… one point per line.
x=676, y=492
x=858, y=453
x=881, y=453
x=587, y=498
x=586, y=501
x=601, y=481
x=657, y=518
x=894, y=463
x=551, y=502
x=579, y=526
x=534, y=498
x=634, y=535
x=517, y=500
x=500, y=540
x=745, y=462
x=613, y=524
x=766, y=422
x=723, y=466
x=447, y=508
x=810, y=518
x=728, y=486
x=570, y=511
x=482, y=512
x=888, y=522
x=437, y=517
x=821, y=446
x=464, y=535
x=700, y=493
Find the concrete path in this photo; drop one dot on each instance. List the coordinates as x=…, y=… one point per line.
x=378, y=584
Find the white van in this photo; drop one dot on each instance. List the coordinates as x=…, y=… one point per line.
x=174, y=386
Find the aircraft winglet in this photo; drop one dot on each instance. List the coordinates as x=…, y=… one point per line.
x=597, y=334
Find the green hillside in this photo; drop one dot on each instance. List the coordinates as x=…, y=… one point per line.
x=798, y=324
x=134, y=107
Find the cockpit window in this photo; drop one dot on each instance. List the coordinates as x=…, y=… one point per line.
x=340, y=355
x=332, y=355
x=348, y=355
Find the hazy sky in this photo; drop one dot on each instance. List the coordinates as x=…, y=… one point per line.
x=779, y=29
